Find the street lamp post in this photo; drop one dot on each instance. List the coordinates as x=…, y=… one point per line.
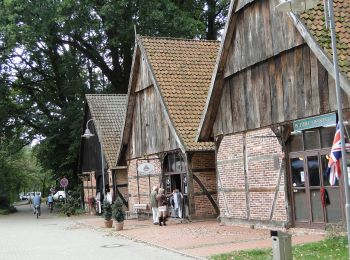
x=302, y=5
x=87, y=134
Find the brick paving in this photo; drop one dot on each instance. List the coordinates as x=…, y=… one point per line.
x=202, y=238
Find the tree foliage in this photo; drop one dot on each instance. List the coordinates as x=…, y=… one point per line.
x=54, y=52
x=20, y=171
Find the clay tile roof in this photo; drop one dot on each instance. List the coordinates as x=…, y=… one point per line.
x=183, y=70
x=314, y=20
x=109, y=112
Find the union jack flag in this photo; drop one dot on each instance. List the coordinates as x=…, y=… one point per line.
x=334, y=168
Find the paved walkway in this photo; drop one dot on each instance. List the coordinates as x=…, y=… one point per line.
x=23, y=237
x=202, y=238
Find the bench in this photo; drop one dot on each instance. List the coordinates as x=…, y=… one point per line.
x=139, y=212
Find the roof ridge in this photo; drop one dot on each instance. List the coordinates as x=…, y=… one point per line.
x=176, y=39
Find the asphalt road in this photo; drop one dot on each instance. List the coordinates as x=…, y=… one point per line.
x=22, y=236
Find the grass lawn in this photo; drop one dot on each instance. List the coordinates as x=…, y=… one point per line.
x=331, y=248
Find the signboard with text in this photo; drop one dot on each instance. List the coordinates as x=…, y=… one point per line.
x=146, y=168
x=313, y=122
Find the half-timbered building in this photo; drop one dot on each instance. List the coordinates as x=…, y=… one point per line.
x=271, y=111
x=108, y=114
x=168, y=87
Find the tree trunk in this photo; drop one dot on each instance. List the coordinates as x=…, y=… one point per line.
x=211, y=26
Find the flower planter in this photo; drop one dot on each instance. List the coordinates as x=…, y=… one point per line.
x=119, y=225
x=108, y=223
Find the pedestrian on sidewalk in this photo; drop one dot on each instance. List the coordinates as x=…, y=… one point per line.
x=177, y=201
x=162, y=206
x=154, y=205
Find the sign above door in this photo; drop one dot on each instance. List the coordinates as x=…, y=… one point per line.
x=313, y=122
x=146, y=168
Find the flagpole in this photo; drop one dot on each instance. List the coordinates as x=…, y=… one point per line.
x=340, y=118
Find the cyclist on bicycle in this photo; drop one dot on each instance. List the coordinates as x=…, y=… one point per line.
x=49, y=202
x=36, y=203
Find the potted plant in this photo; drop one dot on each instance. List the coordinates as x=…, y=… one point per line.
x=118, y=214
x=107, y=213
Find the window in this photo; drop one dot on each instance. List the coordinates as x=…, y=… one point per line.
x=173, y=163
x=311, y=139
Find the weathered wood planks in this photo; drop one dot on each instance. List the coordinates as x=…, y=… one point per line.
x=260, y=33
x=150, y=130
x=288, y=86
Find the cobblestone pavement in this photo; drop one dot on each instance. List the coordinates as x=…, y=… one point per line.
x=24, y=237
x=202, y=238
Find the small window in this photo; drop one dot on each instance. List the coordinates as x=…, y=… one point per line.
x=174, y=163
x=327, y=136
x=312, y=139
x=296, y=143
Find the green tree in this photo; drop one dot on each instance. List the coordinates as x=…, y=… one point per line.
x=54, y=52
x=211, y=13
x=20, y=171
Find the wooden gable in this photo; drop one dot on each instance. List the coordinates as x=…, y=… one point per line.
x=260, y=33
x=150, y=131
x=269, y=71
x=144, y=79
x=284, y=88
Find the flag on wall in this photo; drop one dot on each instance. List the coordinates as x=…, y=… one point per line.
x=334, y=168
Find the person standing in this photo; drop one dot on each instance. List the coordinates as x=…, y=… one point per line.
x=98, y=202
x=177, y=198
x=49, y=202
x=154, y=205
x=162, y=206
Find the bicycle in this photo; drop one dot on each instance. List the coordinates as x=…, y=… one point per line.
x=37, y=210
x=50, y=206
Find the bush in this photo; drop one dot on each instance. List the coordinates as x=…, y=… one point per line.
x=118, y=212
x=73, y=203
x=107, y=210
x=69, y=208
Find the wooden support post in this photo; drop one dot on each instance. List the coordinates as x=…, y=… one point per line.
x=191, y=205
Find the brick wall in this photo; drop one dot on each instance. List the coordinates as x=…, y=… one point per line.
x=145, y=183
x=249, y=169
x=203, y=167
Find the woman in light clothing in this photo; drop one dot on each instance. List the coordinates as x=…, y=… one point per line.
x=162, y=206
x=177, y=198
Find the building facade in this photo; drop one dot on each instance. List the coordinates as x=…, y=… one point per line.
x=106, y=114
x=167, y=91
x=268, y=79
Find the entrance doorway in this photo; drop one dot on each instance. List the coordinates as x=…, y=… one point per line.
x=174, y=173
x=174, y=169
x=315, y=202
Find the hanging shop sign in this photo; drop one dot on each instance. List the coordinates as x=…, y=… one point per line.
x=313, y=122
x=146, y=168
